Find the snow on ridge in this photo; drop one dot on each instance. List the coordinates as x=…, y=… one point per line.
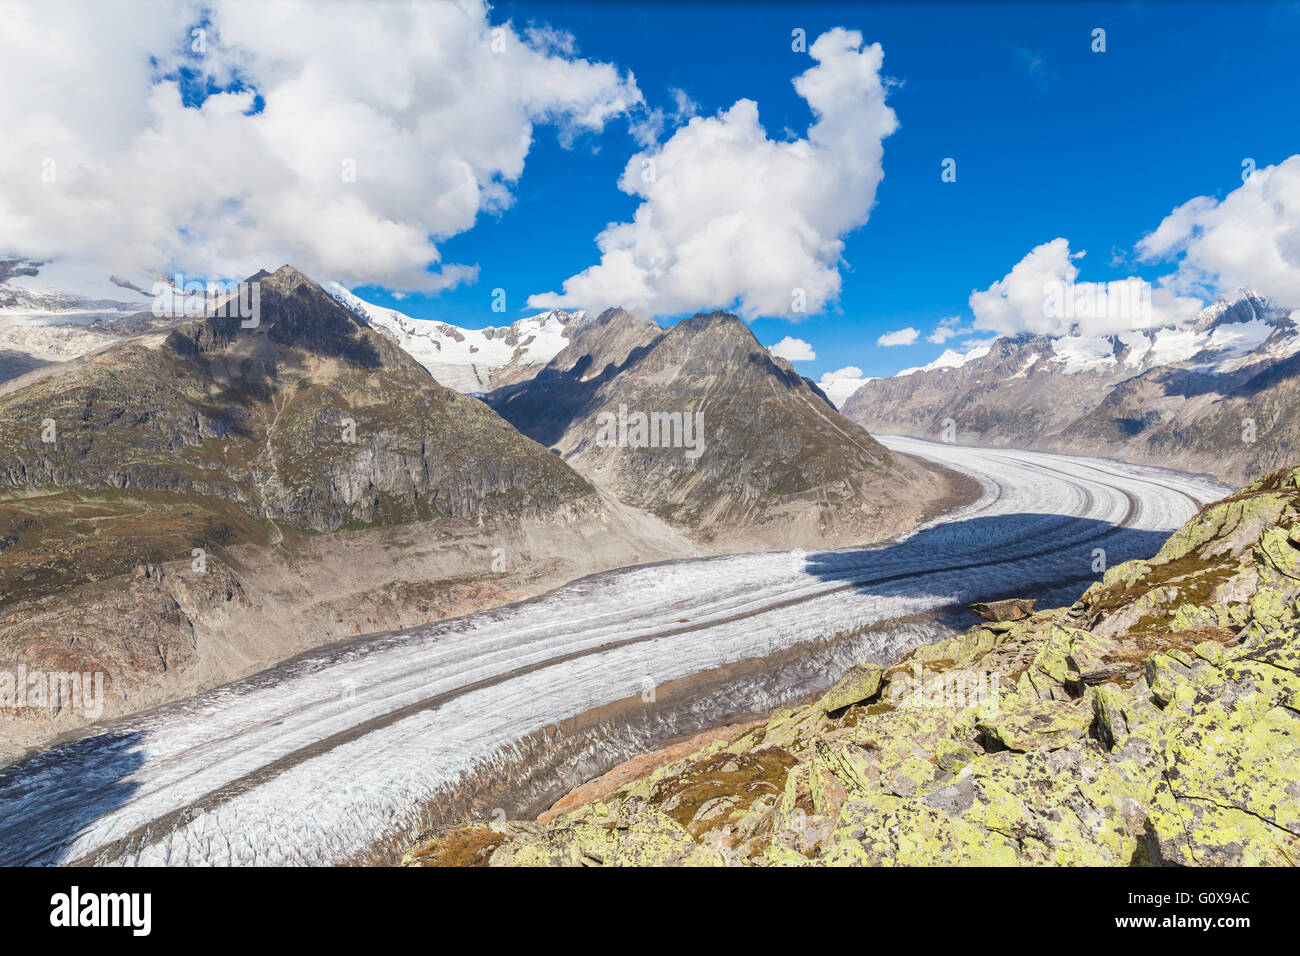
x=838, y=388
x=464, y=359
x=950, y=358
x=1080, y=353
x=1222, y=341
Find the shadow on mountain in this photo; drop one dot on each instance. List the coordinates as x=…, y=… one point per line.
x=50, y=797
x=544, y=406
x=14, y=364
x=1247, y=383
x=1051, y=550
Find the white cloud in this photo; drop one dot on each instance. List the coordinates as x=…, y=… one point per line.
x=1250, y=239
x=437, y=124
x=650, y=126
x=905, y=336
x=1041, y=295
x=949, y=328
x=842, y=383
x=729, y=216
x=793, y=350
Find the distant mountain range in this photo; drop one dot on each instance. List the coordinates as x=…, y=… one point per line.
x=1218, y=395
x=40, y=327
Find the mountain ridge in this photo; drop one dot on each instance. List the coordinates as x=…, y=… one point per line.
x=1214, y=396
x=470, y=360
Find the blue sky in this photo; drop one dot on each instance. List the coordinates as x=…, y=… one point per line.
x=1050, y=139
x=221, y=160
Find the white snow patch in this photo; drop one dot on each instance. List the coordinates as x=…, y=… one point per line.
x=464, y=359
x=950, y=358
x=1081, y=353
x=841, y=383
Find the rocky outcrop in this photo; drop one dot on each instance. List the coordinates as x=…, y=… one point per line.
x=1156, y=721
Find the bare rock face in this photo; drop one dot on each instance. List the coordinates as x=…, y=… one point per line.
x=1218, y=396
x=699, y=425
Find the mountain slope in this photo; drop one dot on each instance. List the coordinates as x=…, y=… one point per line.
x=752, y=452
x=1178, y=397
x=310, y=417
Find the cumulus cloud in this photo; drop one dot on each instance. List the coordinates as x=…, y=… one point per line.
x=793, y=350
x=650, y=126
x=905, y=336
x=949, y=328
x=347, y=138
x=841, y=383
x=1041, y=295
x=1250, y=239
x=730, y=218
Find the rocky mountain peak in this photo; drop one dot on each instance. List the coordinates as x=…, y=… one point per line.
x=715, y=323
x=618, y=318
x=284, y=280
x=293, y=312
x=1245, y=307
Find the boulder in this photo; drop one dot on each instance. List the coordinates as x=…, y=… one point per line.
x=861, y=683
x=1038, y=724
x=1012, y=609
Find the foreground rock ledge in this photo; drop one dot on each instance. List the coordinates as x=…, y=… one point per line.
x=1156, y=721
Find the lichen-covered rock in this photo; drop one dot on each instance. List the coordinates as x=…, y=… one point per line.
x=1109, y=717
x=859, y=684
x=1037, y=725
x=1157, y=721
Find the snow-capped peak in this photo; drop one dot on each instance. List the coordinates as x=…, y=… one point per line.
x=469, y=360
x=1224, y=337
x=951, y=358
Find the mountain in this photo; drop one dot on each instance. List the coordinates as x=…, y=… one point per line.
x=189, y=503
x=1153, y=722
x=1183, y=397
x=699, y=425
x=41, y=327
x=470, y=360
x=260, y=417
